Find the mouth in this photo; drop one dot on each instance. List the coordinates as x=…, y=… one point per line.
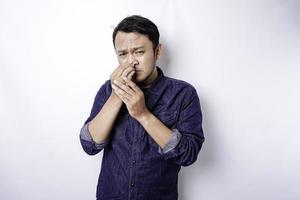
x=137, y=73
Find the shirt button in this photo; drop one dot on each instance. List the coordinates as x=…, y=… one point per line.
x=135, y=140
x=132, y=184
x=133, y=162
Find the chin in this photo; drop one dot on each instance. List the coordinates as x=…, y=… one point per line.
x=137, y=79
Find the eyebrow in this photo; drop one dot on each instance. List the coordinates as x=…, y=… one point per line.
x=135, y=48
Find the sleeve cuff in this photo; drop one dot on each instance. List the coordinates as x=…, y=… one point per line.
x=85, y=135
x=172, y=143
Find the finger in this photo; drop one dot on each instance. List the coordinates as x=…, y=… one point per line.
x=119, y=70
x=117, y=73
x=120, y=96
x=117, y=92
x=124, y=87
x=130, y=75
x=123, y=98
x=127, y=71
x=125, y=65
x=132, y=85
x=120, y=91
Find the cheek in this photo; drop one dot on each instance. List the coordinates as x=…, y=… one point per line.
x=121, y=61
x=147, y=61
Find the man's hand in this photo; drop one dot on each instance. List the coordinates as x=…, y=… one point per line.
x=134, y=99
x=132, y=96
x=120, y=72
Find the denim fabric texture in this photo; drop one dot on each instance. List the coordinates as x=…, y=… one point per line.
x=133, y=167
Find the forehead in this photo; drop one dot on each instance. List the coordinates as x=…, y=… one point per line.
x=131, y=40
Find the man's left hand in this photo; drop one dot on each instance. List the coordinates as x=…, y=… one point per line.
x=132, y=96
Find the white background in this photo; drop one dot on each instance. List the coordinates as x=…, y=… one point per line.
x=243, y=57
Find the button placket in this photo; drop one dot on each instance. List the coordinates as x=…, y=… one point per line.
x=133, y=163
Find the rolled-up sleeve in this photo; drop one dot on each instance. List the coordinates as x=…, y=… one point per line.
x=87, y=143
x=172, y=143
x=190, y=137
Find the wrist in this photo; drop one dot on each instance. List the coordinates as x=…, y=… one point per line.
x=144, y=117
x=115, y=99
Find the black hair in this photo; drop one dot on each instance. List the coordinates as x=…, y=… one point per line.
x=139, y=24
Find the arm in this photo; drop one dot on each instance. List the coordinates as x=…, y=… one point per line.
x=166, y=138
x=94, y=135
x=190, y=127
x=180, y=145
x=155, y=128
x=183, y=144
x=100, y=127
x=102, y=124
x=95, y=132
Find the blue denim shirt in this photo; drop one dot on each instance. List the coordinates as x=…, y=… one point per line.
x=133, y=165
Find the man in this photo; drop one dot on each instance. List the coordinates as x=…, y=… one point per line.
x=148, y=124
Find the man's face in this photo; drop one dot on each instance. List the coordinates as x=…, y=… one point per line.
x=136, y=50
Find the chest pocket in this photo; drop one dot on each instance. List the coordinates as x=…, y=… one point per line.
x=121, y=126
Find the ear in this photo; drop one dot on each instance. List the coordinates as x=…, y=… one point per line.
x=158, y=51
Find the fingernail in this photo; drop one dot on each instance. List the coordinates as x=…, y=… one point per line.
x=125, y=78
x=115, y=81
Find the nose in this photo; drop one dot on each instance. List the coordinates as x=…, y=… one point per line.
x=132, y=60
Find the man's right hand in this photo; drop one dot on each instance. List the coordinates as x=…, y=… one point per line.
x=101, y=125
x=118, y=74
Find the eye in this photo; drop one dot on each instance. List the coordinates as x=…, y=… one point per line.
x=122, y=54
x=140, y=52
